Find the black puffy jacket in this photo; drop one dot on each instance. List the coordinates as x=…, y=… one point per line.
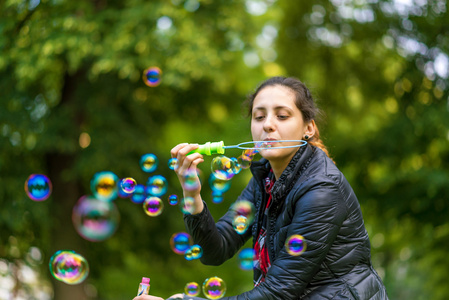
x=311, y=198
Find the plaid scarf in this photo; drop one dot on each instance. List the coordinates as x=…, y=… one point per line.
x=262, y=260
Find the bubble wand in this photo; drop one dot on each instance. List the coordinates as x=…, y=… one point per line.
x=210, y=148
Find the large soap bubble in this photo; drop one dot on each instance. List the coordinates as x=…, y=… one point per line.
x=180, y=242
x=95, y=220
x=38, y=187
x=223, y=167
x=192, y=289
x=153, y=206
x=295, y=245
x=148, y=162
x=69, y=267
x=152, y=76
x=214, y=288
x=157, y=185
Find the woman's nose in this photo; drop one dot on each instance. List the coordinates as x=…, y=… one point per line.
x=268, y=125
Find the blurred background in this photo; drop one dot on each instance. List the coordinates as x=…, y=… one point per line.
x=73, y=102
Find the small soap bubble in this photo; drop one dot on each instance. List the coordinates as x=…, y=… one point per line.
x=157, y=185
x=219, y=185
x=139, y=194
x=148, y=162
x=217, y=197
x=173, y=199
x=194, y=252
x=244, y=161
x=244, y=208
x=223, y=167
x=250, y=153
x=38, y=187
x=153, y=206
x=295, y=245
x=128, y=185
x=180, y=242
x=246, y=259
x=152, y=76
x=214, y=288
x=192, y=289
x=69, y=267
x=172, y=163
x=191, y=180
x=95, y=220
x=187, y=205
x=104, y=186
x=236, y=168
x=240, y=224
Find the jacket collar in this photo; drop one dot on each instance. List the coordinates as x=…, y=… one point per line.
x=284, y=184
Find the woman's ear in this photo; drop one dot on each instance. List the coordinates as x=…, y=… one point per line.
x=310, y=129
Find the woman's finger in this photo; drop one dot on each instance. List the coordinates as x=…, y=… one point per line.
x=174, y=150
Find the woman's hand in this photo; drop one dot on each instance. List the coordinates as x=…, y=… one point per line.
x=187, y=172
x=147, y=297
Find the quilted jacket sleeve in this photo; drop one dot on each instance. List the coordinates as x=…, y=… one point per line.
x=219, y=240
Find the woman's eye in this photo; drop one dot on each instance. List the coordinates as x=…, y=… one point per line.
x=282, y=117
x=258, y=118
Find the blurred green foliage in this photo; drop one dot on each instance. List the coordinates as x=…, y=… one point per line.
x=72, y=70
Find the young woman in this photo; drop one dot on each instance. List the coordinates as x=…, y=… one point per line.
x=296, y=191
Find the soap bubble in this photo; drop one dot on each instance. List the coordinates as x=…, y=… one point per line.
x=128, y=185
x=244, y=208
x=236, y=168
x=172, y=163
x=192, y=289
x=296, y=245
x=95, y=220
x=214, y=288
x=223, y=167
x=180, y=242
x=194, y=252
x=148, y=162
x=173, y=199
x=139, y=194
x=157, y=185
x=217, y=197
x=244, y=161
x=191, y=180
x=152, y=76
x=153, y=206
x=240, y=224
x=187, y=205
x=69, y=267
x=250, y=153
x=104, y=186
x=246, y=259
x=219, y=185
x=38, y=187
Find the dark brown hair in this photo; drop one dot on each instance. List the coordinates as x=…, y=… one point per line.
x=303, y=100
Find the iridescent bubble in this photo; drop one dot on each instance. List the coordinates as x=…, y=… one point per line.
x=192, y=289
x=69, y=267
x=38, y=187
x=244, y=208
x=223, y=167
x=194, y=252
x=139, y=194
x=219, y=185
x=191, y=180
x=244, y=161
x=152, y=76
x=173, y=199
x=240, y=224
x=250, y=153
x=157, y=185
x=217, y=197
x=214, y=288
x=153, y=206
x=295, y=245
x=95, y=220
x=148, y=162
x=237, y=168
x=180, y=242
x=246, y=259
x=172, y=163
x=104, y=186
x=128, y=185
x=187, y=205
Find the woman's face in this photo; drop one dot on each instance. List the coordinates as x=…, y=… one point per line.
x=275, y=116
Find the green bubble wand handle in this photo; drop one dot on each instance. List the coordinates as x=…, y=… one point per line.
x=210, y=148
